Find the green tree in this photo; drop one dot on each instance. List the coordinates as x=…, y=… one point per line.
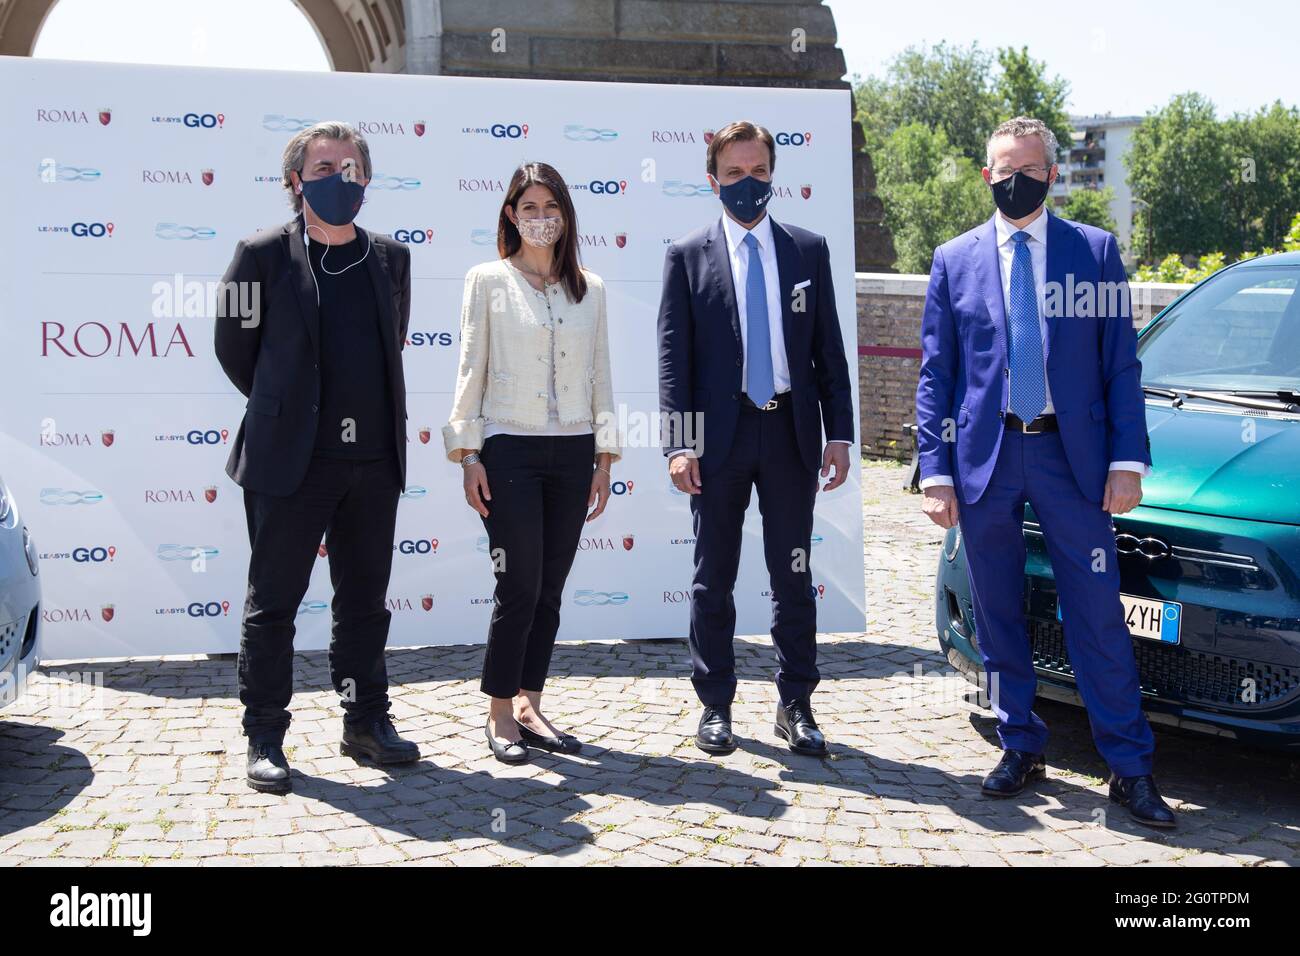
x=1023, y=89
x=1264, y=176
x=1179, y=164
x=942, y=87
x=931, y=193
x=1091, y=206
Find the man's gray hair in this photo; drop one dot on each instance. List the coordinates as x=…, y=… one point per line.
x=1025, y=126
x=295, y=153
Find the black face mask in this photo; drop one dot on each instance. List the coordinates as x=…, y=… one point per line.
x=1018, y=195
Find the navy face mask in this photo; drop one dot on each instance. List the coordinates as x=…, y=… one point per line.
x=746, y=198
x=334, y=199
x=1018, y=195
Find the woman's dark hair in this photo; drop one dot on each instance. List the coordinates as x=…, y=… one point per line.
x=566, y=248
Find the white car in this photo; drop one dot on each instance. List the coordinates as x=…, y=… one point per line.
x=20, y=601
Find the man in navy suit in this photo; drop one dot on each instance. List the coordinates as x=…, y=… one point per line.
x=751, y=366
x=1030, y=390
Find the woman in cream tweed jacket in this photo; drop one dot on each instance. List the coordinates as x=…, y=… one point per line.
x=505, y=373
x=533, y=426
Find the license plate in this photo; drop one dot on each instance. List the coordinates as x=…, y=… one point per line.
x=1149, y=619
x=1155, y=620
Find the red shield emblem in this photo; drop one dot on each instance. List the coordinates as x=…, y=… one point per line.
x=419, y=127
x=207, y=177
x=210, y=493
x=105, y=117
x=627, y=542
x=424, y=436
x=426, y=602
x=708, y=137
x=620, y=239
x=805, y=191
x=106, y=612
x=107, y=438
x=320, y=549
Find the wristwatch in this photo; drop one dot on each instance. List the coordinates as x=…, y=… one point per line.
x=470, y=459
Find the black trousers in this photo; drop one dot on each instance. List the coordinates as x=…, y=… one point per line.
x=540, y=485
x=353, y=505
x=764, y=455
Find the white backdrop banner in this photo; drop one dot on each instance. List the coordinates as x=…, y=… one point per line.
x=128, y=187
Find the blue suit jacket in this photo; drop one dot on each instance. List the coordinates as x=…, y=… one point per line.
x=700, y=345
x=1092, y=365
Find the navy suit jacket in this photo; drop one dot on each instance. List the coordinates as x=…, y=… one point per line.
x=1092, y=365
x=701, y=351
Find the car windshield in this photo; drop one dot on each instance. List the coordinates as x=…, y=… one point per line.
x=1238, y=332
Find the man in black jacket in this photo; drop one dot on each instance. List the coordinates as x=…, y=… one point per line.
x=322, y=447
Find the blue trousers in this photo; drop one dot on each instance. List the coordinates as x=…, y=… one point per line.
x=1081, y=545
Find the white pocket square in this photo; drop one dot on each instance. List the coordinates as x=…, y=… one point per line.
x=802, y=285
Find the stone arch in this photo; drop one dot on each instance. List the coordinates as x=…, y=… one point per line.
x=359, y=36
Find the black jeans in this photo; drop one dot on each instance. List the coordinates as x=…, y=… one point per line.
x=539, y=485
x=353, y=504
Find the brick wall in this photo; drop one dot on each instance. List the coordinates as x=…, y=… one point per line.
x=889, y=352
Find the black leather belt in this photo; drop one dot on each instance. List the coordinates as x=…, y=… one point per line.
x=777, y=401
x=1043, y=423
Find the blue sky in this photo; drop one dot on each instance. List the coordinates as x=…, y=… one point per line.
x=1120, y=56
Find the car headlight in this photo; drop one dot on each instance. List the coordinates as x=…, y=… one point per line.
x=950, y=551
x=29, y=546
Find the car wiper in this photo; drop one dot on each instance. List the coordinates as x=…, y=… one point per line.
x=1162, y=392
x=1243, y=401
x=1282, y=394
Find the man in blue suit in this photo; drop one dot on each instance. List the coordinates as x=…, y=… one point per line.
x=1030, y=390
x=751, y=366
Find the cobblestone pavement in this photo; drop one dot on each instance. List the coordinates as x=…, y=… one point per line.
x=155, y=775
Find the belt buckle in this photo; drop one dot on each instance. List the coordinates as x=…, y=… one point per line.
x=769, y=405
x=1024, y=427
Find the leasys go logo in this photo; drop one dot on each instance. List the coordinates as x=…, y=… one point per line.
x=498, y=130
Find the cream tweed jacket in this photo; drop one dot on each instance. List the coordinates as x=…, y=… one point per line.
x=505, y=358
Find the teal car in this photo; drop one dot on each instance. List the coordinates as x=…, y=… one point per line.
x=1210, y=561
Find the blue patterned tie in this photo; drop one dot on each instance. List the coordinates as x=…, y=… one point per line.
x=758, y=362
x=1028, y=385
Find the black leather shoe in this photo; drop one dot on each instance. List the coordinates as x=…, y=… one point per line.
x=1145, y=805
x=795, y=725
x=268, y=768
x=1013, y=771
x=563, y=744
x=714, y=733
x=377, y=740
x=507, y=751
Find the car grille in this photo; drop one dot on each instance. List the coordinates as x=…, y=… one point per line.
x=10, y=637
x=1179, y=674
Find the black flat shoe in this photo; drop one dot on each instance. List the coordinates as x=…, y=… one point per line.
x=714, y=734
x=1145, y=805
x=1014, y=770
x=795, y=725
x=504, y=750
x=268, y=768
x=377, y=740
x=563, y=744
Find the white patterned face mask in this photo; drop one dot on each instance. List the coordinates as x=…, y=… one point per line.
x=541, y=232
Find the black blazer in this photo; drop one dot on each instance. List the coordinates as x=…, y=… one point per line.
x=276, y=361
x=700, y=348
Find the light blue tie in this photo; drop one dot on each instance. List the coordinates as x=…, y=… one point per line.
x=1028, y=393
x=758, y=362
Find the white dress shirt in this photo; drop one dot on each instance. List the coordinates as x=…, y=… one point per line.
x=1037, y=243
x=739, y=253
